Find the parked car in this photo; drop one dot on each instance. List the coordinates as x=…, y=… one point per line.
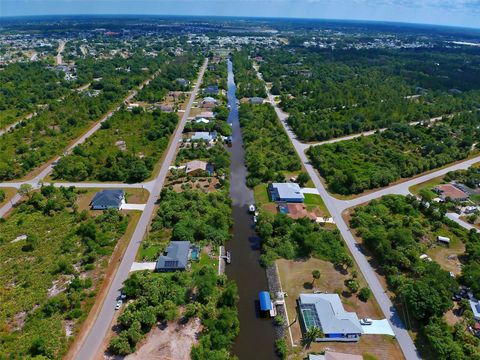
x=366, y=321
x=118, y=305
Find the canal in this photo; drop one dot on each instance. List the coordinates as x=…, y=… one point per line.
x=256, y=338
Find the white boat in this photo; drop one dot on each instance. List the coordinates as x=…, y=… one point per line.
x=251, y=208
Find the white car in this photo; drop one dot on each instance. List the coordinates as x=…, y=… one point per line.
x=118, y=305
x=366, y=321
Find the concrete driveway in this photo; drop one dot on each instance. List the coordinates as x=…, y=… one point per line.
x=136, y=266
x=139, y=207
x=378, y=327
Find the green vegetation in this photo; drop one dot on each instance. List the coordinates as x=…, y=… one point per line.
x=353, y=166
x=216, y=74
x=49, y=133
x=3, y=195
x=286, y=238
x=248, y=85
x=157, y=297
x=25, y=85
x=55, y=257
x=126, y=148
x=216, y=155
x=397, y=230
x=330, y=93
x=268, y=151
x=469, y=177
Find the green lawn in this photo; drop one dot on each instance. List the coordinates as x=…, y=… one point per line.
x=261, y=195
x=429, y=185
x=315, y=201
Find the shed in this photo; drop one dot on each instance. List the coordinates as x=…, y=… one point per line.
x=443, y=239
x=108, y=199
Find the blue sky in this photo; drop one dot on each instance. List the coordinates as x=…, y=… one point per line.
x=445, y=12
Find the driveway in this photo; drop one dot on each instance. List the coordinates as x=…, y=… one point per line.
x=139, y=207
x=309, y=191
x=136, y=266
x=378, y=327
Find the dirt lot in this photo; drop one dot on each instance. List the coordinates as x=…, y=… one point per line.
x=173, y=342
x=296, y=276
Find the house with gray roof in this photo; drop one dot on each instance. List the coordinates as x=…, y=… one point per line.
x=287, y=192
x=175, y=257
x=255, y=100
x=475, y=306
x=108, y=199
x=326, y=312
x=209, y=137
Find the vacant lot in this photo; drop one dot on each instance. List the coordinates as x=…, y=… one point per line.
x=296, y=278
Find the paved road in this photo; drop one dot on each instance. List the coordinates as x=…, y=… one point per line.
x=401, y=333
x=37, y=180
x=59, y=57
x=455, y=217
x=92, y=344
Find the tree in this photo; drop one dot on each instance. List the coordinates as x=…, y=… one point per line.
x=2, y=195
x=25, y=190
x=352, y=285
x=315, y=275
x=365, y=294
x=302, y=178
x=311, y=335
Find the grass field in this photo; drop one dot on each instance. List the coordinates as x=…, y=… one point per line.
x=296, y=278
x=39, y=308
x=429, y=185
x=9, y=193
x=314, y=201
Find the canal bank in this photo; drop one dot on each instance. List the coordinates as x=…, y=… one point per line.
x=256, y=338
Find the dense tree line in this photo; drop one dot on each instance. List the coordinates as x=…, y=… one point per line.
x=268, y=151
x=397, y=230
x=39, y=139
x=286, y=238
x=195, y=216
x=143, y=137
x=469, y=177
x=333, y=93
x=25, y=85
x=39, y=297
x=157, y=297
x=216, y=74
x=352, y=166
x=248, y=85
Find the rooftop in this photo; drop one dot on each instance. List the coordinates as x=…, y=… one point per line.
x=109, y=198
x=450, y=191
x=176, y=257
x=326, y=312
x=288, y=191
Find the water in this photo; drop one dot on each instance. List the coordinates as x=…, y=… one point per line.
x=256, y=339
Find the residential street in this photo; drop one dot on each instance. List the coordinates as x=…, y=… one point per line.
x=332, y=204
x=95, y=336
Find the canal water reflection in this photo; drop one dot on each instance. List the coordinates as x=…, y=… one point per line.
x=256, y=339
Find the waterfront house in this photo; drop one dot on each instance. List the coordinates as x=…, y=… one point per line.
x=175, y=257
x=287, y=192
x=326, y=312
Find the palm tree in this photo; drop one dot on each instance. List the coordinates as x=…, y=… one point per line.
x=316, y=275
x=311, y=335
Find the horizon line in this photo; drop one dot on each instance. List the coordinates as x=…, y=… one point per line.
x=246, y=17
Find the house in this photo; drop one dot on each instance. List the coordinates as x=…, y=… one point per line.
x=182, y=82
x=108, y=199
x=330, y=355
x=449, y=191
x=198, y=167
x=326, y=312
x=211, y=90
x=205, y=136
x=255, y=100
x=205, y=115
x=475, y=306
x=298, y=211
x=209, y=99
x=202, y=120
x=288, y=192
x=175, y=257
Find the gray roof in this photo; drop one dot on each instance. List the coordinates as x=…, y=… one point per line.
x=203, y=135
x=111, y=198
x=332, y=317
x=288, y=190
x=256, y=100
x=176, y=257
x=475, y=305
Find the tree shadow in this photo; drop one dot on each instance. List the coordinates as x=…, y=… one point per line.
x=308, y=285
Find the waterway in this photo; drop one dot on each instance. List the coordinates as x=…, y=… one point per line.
x=256, y=338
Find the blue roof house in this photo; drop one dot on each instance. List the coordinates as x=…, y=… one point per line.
x=287, y=192
x=108, y=199
x=175, y=257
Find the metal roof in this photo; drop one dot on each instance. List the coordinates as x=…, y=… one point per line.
x=265, y=301
x=330, y=314
x=176, y=257
x=110, y=198
x=288, y=190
